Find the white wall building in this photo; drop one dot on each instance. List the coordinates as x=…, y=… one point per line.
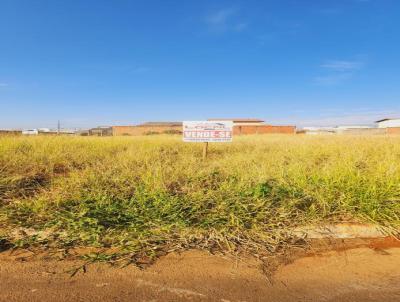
x=343, y=129
x=389, y=123
x=30, y=132
x=319, y=130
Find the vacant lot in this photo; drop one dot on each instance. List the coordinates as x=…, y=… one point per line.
x=141, y=197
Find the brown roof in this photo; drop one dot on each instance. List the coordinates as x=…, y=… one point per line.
x=238, y=120
x=161, y=124
x=386, y=119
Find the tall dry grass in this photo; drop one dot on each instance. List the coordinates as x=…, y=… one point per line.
x=152, y=194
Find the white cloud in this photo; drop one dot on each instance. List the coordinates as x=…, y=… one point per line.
x=332, y=79
x=220, y=17
x=4, y=85
x=342, y=65
x=334, y=72
x=223, y=20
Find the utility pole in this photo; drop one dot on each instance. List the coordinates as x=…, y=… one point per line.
x=58, y=127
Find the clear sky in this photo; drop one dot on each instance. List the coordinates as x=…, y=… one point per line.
x=101, y=62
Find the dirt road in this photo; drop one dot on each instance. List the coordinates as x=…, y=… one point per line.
x=360, y=274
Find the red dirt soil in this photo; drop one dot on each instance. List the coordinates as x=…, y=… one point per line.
x=356, y=274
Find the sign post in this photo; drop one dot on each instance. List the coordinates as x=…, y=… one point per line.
x=205, y=150
x=207, y=132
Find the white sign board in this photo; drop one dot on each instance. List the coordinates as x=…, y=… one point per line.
x=208, y=131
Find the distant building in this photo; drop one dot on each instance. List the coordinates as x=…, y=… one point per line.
x=240, y=121
x=161, y=124
x=389, y=123
x=101, y=131
x=148, y=128
x=352, y=130
x=142, y=129
x=10, y=132
x=356, y=129
x=339, y=128
x=30, y=132
x=393, y=130
x=49, y=132
x=317, y=130
x=83, y=132
x=243, y=126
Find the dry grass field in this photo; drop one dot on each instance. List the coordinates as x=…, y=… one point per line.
x=141, y=197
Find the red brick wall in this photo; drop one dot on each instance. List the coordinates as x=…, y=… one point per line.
x=393, y=130
x=263, y=129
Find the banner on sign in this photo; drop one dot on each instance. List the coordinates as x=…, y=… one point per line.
x=207, y=131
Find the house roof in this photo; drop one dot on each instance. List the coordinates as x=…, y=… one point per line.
x=161, y=124
x=387, y=119
x=238, y=120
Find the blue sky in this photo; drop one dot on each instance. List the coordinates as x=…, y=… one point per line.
x=100, y=62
